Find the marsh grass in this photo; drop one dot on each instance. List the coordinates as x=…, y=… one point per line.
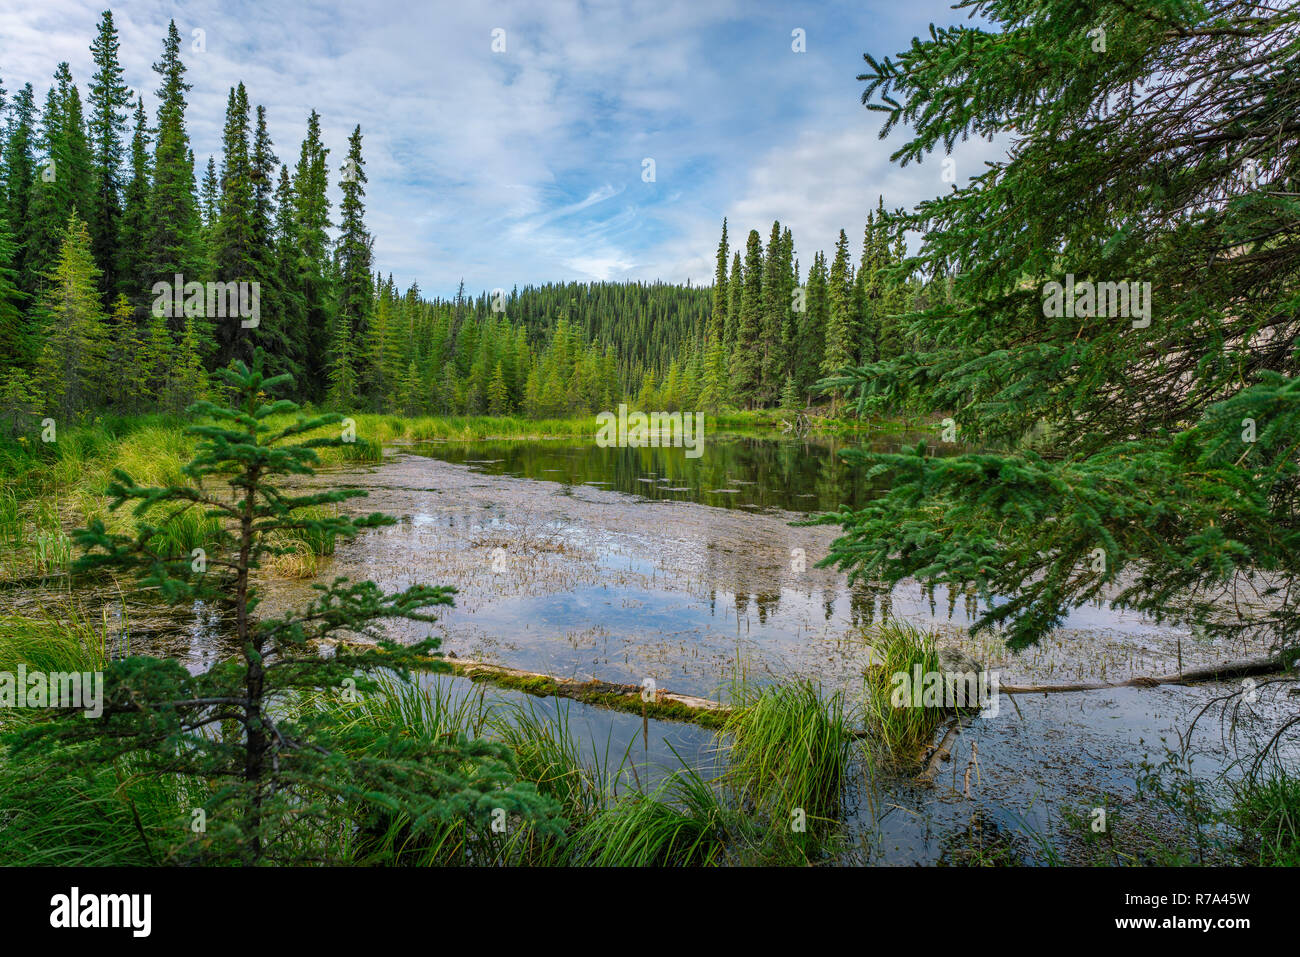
x=52, y=817
x=12, y=526
x=903, y=732
x=789, y=751
x=64, y=640
x=107, y=817
x=362, y=450
x=303, y=548
x=547, y=753
x=431, y=708
x=1267, y=813
x=681, y=823
x=180, y=534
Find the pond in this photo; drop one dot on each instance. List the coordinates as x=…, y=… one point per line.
x=631, y=564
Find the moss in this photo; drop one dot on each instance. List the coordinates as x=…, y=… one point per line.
x=600, y=694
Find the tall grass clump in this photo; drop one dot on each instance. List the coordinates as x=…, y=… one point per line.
x=1267, y=813
x=54, y=815
x=903, y=728
x=432, y=710
x=682, y=823
x=67, y=640
x=11, y=518
x=362, y=450
x=299, y=550
x=178, y=535
x=789, y=751
x=547, y=754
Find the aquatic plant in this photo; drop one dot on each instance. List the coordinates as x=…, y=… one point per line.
x=788, y=751
x=903, y=731
x=679, y=824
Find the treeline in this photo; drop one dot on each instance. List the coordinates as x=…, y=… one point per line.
x=125, y=280
x=764, y=335
x=771, y=338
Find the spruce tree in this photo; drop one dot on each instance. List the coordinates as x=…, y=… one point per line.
x=276, y=773
x=127, y=383
x=816, y=319
x=15, y=332
x=352, y=254
x=109, y=98
x=841, y=325
x=342, y=369
x=133, y=233
x=311, y=222
x=747, y=354
x=21, y=180
x=1145, y=455
x=262, y=170
x=235, y=249
x=63, y=186
x=172, y=226
x=287, y=317
x=210, y=199
x=735, y=293
x=497, y=397
x=775, y=305
x=718, y=321
x=71, y=371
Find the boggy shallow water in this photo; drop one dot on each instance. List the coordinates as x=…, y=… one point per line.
x=651, y=572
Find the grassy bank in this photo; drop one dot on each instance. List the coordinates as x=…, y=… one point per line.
x=784, y=755
x=48, y=488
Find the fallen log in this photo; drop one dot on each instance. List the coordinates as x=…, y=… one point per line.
x=1242, y=668
x=632, y=699
x=942, y=752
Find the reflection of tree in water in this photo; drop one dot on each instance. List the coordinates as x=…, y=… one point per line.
x=803, y=476
x=869, y=602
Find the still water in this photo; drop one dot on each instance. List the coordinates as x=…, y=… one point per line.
x=625, y=564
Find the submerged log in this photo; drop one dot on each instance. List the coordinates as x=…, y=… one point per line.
x=1243, y=668
x=942, y=752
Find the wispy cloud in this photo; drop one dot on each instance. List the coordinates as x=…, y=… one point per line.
x=521, y=166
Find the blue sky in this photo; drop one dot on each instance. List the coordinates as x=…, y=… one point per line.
x=523, y=166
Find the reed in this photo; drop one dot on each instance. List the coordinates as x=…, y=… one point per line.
x=902, y=730
x=789, y=751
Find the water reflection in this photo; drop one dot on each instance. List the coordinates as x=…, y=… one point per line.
x=734, y=472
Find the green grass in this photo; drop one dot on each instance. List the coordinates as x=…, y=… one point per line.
x=105, y=817
x=362, y=450
x=430, y=710
x=680, y=824
x=178, y=535
x=903, y=731
x=789, y=751
x=1267, y=813
x=50, y=816
x=12, y=526
x=547, y=754
x=63, y=641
